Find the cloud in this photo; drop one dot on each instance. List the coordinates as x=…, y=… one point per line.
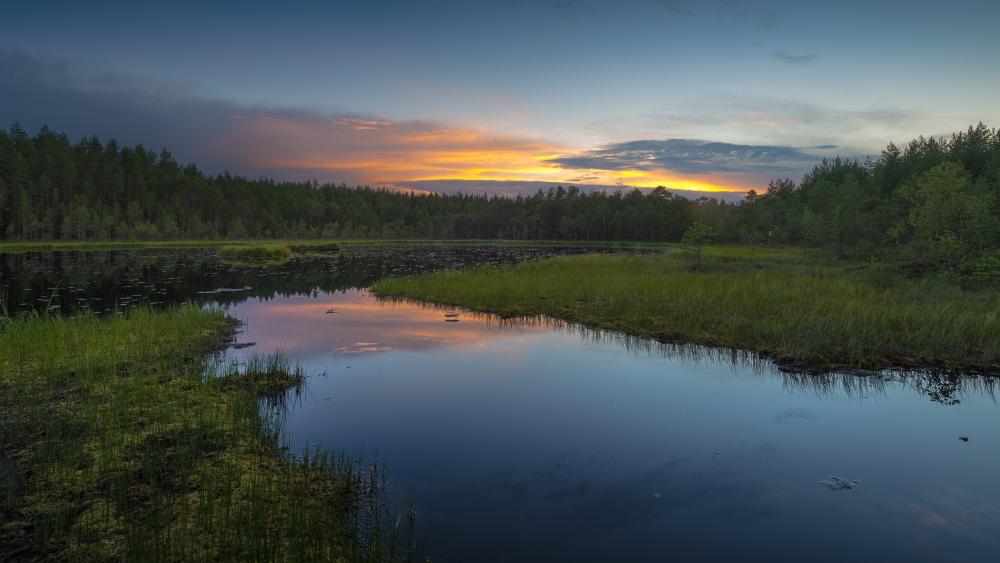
x=689, y=156
x=793, y=59
x=289, y=143
x=282, y=142
x=513, y=188
x=755, y=120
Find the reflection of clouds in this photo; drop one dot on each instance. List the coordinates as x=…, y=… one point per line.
x=364, y=325
x=957, y=513
x=363, y=348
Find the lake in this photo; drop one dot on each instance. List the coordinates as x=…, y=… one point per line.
x=537, y=440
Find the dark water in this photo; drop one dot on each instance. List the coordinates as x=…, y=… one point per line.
x=540, y=441
x=111, y=281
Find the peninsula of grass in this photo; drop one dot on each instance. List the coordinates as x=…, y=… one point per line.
x=116, y=443
x=801, y=310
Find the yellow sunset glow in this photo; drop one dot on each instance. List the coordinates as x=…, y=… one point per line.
x=383, y=152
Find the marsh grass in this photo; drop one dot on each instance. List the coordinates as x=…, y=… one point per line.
x=250, y=252
x=271, y=376
x=791, y=305
x=117, y=444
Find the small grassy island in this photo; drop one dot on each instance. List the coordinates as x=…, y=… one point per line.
x=800, y=308
x=119, y=444
x=256, y=252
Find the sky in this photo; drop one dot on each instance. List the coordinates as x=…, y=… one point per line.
x=504, y=96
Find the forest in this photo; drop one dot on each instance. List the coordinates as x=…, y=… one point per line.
x=934, y=200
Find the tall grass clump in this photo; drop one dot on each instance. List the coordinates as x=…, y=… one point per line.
x=116, y=444
x=794, y=309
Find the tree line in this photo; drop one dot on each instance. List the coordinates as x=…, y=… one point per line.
x=936, y=200
x=53, y=189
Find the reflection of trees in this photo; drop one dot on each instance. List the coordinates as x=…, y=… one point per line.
x=947, y=388
x=109, y=280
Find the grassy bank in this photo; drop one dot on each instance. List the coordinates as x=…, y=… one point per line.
x=117, y=444
x=787, y=304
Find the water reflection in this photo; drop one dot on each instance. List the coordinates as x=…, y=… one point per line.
x=352, y=323
x=537, y=440
x=109, y=281
x=945, y=387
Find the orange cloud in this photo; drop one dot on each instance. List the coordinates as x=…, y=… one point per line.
x=383, y=152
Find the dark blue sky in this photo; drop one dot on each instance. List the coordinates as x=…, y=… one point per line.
x=504, y=90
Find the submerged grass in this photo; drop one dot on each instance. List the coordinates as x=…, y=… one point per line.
x=789, y=305
x=116, y=444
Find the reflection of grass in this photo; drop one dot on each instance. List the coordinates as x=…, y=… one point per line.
x=320, y=246
x=787, y=304
x=256, y=263
x=296, y=245
x=116, y=446
x=269, y=252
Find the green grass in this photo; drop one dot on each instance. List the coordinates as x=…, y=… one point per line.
x=120, y=441
x=789, y=304
x=270, y=252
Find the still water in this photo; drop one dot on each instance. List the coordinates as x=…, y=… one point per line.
x=535, y=440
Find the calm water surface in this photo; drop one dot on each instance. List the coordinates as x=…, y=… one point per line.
x=540, y=441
